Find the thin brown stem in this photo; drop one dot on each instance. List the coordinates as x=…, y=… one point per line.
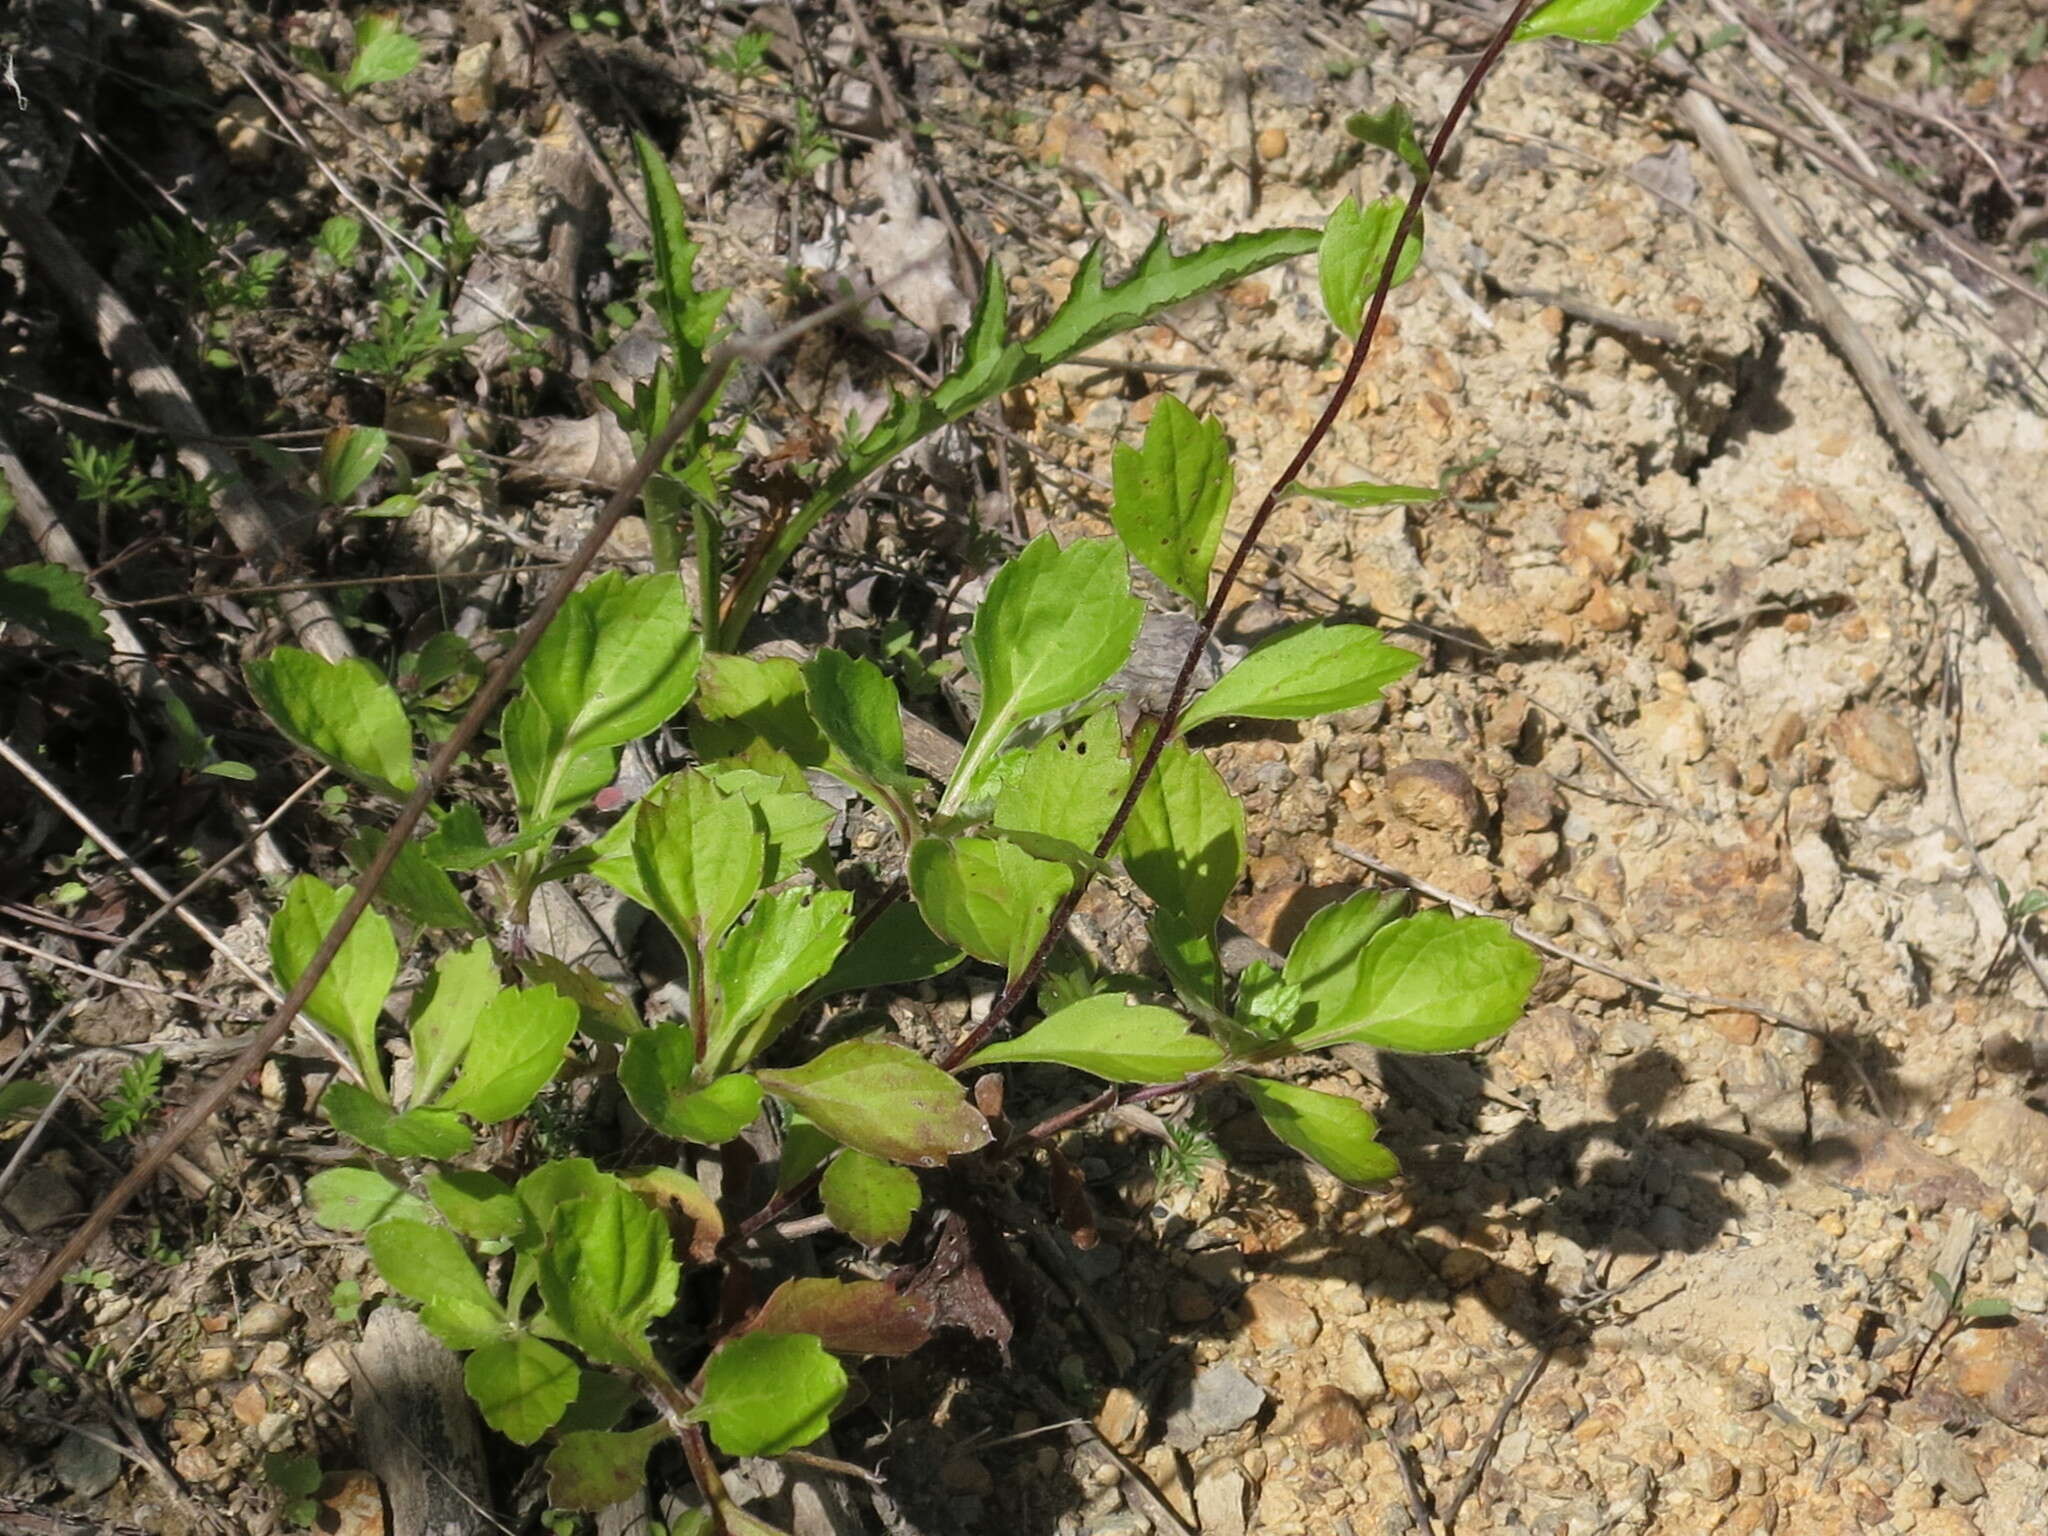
x=1021, y=984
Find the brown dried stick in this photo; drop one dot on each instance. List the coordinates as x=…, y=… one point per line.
x=1968, y=518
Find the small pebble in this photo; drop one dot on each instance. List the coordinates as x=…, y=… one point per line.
x=1272, y=143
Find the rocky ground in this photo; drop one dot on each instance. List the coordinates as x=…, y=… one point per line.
x=1712, y=703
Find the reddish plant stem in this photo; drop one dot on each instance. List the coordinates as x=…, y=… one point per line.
x=1114, y=1098
x=1014, y=993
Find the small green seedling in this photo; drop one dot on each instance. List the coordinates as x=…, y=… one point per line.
x=136, y=1098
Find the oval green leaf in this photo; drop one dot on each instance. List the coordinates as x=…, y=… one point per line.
x=1339, y=1133
x=869, y=1200
x=1433, y=982
x=1312, y=669
x=885, y=1100
x=1354, y=250
x=1171, y=497
x=766, y=1393
x=343, y=712
x=1110, y=1039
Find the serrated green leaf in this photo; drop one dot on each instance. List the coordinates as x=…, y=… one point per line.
x=1091, y=312
x=757, y=713
x=1067, y=785
x=1393, y=129
x=699, y=853
x=416, y=888
x=849, y=1317
x=656, y=1074
x=445, y=1013
x=351, y=994
x=1172, y=495
x=383, y=52
x=514, y=1051
x=1108, y=1038
x=1311, y=669
x=476, y=1204
x=55, y=602
x=1185, y=842
x=348, y=457
x=618, y=661
x=786, y=946
x=1337, y=1132
x=343, y=712
x=884, y=1100
x=602, y=1011
x=987, y=896
x=595, y=1469
x=426, y=1132
x=428, y=1264
x=606, y=1273
x=1354, y=250
x=897, y=947
x=870, y=1200
x=521, y=1386
x=766, y=1393
x=1587, y=21
x=1055, y=625
x=356, y=1199
x=794, y=821
x=1431, y=982
x=1367, y=493
x=856, y=707
x=1326, y=965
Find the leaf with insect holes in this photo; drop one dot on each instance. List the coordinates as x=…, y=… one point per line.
x=1354, y=250
x=1054, y=627
x=899, y=946
x=1311, y=669
x=698, y=852
x=356, y=1199
x=430, y=1131
x=429, y=1265
x=987, y=896
x=1171, y=497
x=1326, y=967
x=343, y=712
x=476, y=1204
x=1067, y=785
x=1586, y=21
x=348, y=457
x=1367, y=493
x=618, y=661
x=849, y=1317
x=1337, y=1132
x=856, y=707
x=514, y=1051
x=445, y=1012
x=351, y=994
x=54, y=601
x=1393, y=129
x=608, y=1271
x=869, y=1200
x=595, y=1469
x=882, y=1099
x=1431, y=982
x=521, y=1386
x=1185, y=842
x=766, y=1393
x=786, y=946
x=1106, y=1037
x=656, y=1074
x=383, y=52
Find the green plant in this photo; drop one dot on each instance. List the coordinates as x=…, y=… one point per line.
x=563, y=1285
x=409, y=340
x=811, y=144
x=298, y=1478
x=382, y=52
x=136, y=1098
x=746, y=60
